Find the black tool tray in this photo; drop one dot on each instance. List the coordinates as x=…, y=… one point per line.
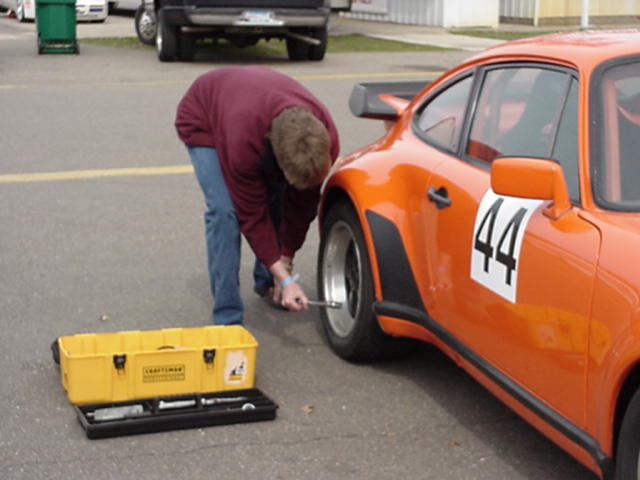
x=175, y=412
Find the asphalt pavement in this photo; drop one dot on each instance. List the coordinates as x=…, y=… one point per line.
x=101, y=230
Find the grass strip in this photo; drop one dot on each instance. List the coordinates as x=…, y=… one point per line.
x=355, y=43
x=501, y=34
x=117, y=42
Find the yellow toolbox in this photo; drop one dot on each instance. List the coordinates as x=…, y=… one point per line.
x=122, y=366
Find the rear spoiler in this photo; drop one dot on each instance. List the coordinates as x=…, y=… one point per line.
x=383, y=100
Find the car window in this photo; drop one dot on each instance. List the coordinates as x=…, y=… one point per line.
x=618, y=165
x=517, y=113
x=442, y=118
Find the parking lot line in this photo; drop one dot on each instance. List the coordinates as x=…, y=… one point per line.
x=87, y=174
x=339, y=76
x=329, y=76
x=167, y=170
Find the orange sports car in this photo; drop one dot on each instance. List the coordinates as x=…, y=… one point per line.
x=499, y=219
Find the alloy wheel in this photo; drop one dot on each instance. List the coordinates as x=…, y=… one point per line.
x=341, y=274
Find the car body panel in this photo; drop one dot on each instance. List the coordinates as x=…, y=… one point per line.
x=549, y=320
x=127, y=4
x=615, y=334
x=552, y=327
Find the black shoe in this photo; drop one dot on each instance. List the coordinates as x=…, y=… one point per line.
x=265, y=294
x=55, y=351
x=261, y=290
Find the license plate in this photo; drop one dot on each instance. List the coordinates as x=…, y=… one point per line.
x=258, y=17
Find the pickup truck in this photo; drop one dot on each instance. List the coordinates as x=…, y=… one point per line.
x=175, y=25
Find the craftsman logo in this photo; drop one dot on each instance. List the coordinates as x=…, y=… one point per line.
x=163, y=373
x=235, y=368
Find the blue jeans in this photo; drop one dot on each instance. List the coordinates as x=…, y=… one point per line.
x=222, y=234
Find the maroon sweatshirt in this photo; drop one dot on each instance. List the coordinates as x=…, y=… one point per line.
x=231, y=109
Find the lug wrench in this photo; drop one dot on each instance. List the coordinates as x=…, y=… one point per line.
x=323, y=304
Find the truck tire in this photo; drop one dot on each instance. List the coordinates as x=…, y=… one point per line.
x=146, y=26
x=316, y=52
x=187, y=47
x=167, y=39
x=297, y=50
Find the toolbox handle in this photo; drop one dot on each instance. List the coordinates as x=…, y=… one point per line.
x=171, y=347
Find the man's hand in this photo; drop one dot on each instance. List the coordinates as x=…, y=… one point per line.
x=290, y=296
x=294, y=298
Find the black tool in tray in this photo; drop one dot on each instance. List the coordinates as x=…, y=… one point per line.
x=175, y=412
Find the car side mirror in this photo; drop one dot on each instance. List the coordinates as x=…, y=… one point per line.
x=532, y=178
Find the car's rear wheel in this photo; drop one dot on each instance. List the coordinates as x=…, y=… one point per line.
x=146, y=26
x=344, y=275
x=166, y=40
x=628, y=446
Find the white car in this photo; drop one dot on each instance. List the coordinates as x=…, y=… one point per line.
x=24, y=9
x=86, y=10
x=91, y=10
x=125, y=4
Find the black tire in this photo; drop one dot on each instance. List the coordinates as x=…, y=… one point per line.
x=316, y=52
x=187, y=46
x=297, y=50
x=628, y=445
x=146, y=26
x=167, y=39
x=344, y=275
x=55, y=351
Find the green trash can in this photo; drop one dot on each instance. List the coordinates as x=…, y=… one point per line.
x=56, y=26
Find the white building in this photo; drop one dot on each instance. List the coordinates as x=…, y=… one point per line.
x=568, y=12
x=488, y=13
x=435, y=13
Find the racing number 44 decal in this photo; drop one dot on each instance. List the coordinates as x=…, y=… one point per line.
x=497, y=239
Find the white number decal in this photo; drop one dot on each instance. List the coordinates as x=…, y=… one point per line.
x=497, y=238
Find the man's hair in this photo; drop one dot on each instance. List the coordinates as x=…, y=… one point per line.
x=301, y=145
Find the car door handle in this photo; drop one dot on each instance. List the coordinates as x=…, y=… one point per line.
x=440, y=196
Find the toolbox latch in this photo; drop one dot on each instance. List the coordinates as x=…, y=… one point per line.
x=209, y=354
x=119, y=359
